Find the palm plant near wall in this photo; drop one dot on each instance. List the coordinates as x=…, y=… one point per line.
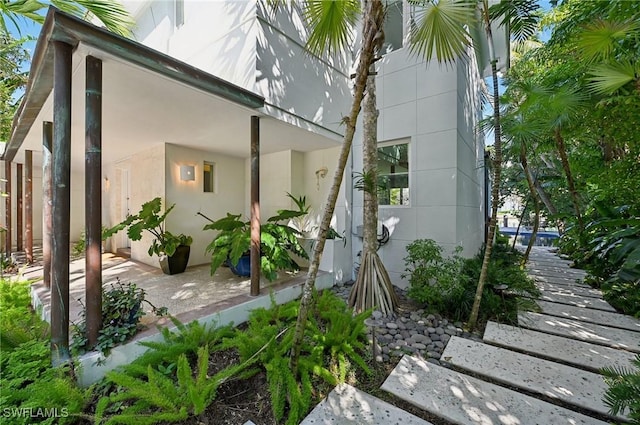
x=446, y=30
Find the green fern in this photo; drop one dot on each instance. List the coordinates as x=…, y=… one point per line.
x=624, y=390
x=161, y=398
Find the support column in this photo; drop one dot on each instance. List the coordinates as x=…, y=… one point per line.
x=255, y=205
x=19, y=211
x=47, y=200
x=28, y=205
x=8, y=189
x=93, y=197
x=61, y=174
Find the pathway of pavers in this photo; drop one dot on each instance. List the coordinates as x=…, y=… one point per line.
x=545, y=372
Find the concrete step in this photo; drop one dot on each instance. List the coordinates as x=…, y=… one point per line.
x=590, y=332
x=614, y=320
x=539, y=268
x=348, y=405
x=559, y=281
x=462, y=399
x=577, y=300
x=576, y=387
x=578, y=353
x=557, y=277
x=580, y=290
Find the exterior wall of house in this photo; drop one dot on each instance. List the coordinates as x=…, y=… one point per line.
x=126, y=194
x=429, y=107
x=217, y=37
x=190, y=198
x=292, y=79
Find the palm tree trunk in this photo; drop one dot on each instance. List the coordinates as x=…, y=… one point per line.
x=497, y=173
x=562, y=150
x=534, y=198
x=373, y=288
x=373, y=10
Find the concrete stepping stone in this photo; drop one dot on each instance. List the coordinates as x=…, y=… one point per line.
x=348, y=405
x=615, y=320
x=579, y=290
x=559, y=281
x=577, y=300
x=590, y=332
x=569, y=278
x=548, y=268
x=579, y=353
x=576, y=387
x=463, y=399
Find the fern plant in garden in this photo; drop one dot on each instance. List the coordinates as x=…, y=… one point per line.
x=624, y=390
x=157, y=397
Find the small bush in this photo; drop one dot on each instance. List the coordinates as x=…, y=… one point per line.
x=18, y=323
x=447, y=285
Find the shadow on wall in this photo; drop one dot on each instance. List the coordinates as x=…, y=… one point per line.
x=289, y=77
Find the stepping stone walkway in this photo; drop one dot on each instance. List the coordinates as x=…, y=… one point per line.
x=348, y=405
x=543, y=373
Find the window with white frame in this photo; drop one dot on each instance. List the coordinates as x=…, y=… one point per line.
x=393, y=174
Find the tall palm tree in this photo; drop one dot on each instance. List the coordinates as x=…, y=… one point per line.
x=445, y=29
x=110, y=12
x=331, y=24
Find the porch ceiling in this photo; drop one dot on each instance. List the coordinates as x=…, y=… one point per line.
x=142, y=107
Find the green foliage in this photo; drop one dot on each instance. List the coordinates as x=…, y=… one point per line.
x=185, y=340
x=624, y=390
x=277, y=242
x=121, y=311
x=18, y=323
x=332, y=347
x=149, y=219
x=447, y=285
x=432, y=278
x=158, y=397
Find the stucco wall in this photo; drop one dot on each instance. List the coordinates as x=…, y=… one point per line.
x=434, y=108
x=190, y=198
x=291, y=78
x=217, y=37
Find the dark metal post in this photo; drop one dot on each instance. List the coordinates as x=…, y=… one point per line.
x=93, y=197
x=255, y=205
x=47, y=200
x=61, y=172
x=9, y=238
x=28, y=205
x=19, y=212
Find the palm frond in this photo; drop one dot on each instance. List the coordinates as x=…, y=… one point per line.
x=14, y=10
x=608, y=78
x=599, y=39
x=110, y=12
x=440, y=29
x=331, y=24
x=522, y=17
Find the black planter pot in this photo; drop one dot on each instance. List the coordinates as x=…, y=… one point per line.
x=177, y=263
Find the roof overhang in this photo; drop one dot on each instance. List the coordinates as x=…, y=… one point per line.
x=148, y=98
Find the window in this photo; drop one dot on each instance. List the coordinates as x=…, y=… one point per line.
x=393, y=27
x=393, y=174
x=179, y=13
x=208, y=171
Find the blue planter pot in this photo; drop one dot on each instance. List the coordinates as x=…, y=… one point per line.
x=243, y=268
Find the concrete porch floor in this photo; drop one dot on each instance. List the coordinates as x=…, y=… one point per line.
x=193, y=295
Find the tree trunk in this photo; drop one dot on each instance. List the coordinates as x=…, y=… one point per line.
x=562, y=150
x=373, y=12
x=497, y=172
x=534, y=198
x=373, y=288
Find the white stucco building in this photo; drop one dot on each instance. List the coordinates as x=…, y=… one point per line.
x=155, y=122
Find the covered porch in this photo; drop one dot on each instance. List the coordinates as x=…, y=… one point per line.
x=106, y=125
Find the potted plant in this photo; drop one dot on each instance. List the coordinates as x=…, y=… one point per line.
x=172, y=250
x=277, y=242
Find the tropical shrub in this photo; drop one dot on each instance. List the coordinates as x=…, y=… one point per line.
x=448, y=285
x=18, y=323
x=624, y=390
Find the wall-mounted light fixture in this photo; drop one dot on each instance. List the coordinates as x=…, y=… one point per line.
x=187, y=172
